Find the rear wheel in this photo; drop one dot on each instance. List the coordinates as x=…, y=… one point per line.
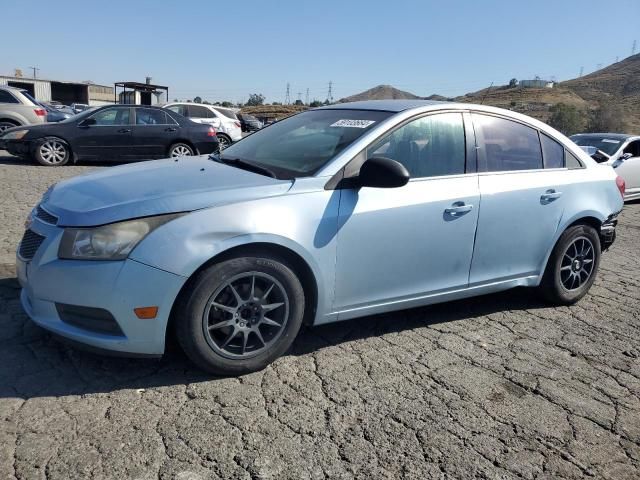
x=6, y=124
x=572, y=266
x=180, y=150
x=223, y=141
x=240, y=315
x=52, y=152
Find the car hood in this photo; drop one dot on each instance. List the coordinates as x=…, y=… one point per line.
x=154, y=188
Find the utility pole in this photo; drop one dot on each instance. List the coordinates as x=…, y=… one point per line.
x=287, y=98
x=306, y=99
x=35, y=70
x=617, y=59
x=599, y=66
x=330, y=92
x=581, y=71
x=633, y=48
x=300, y=96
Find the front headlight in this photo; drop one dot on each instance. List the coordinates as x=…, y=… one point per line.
x=109, y=242
x=17, y=135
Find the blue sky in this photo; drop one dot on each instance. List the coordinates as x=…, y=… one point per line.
x=226, y=50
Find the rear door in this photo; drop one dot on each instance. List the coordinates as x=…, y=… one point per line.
x=108, y=139
x=153, y=133
x=521, y=202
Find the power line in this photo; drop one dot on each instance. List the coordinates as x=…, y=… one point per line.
x=306, y=99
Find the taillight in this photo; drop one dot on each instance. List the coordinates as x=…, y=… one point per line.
x=211, y=132
x=621, y=185
x=41, y=112
x=237, y=124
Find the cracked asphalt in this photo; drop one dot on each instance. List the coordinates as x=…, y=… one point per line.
x=500, y=386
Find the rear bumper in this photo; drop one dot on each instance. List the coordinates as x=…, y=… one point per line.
x=608, y=232
x=205, y=148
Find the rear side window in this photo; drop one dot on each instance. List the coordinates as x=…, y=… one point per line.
x=6, y=97
x=552, y=152
x=228, y=114
x=179, y=109
x=112, y=117
x=506, y=145
x=430, y=146
x=572, y=161
x=197, y=111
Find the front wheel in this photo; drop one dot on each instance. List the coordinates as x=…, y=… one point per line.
x=52, y=152
x=572, y=266
x=238, y=316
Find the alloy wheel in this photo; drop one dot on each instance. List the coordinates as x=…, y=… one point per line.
x=223, y=143
x=180, y=151
x=5, y=126
x=246, y=315
x=53, y=152
x=577, y=263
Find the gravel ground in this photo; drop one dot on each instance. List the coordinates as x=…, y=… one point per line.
x=495, y=387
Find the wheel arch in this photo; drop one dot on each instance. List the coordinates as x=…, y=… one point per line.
x=592, y=218
x=292, y=258
x=35, y=143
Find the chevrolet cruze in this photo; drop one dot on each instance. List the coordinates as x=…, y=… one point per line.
x=334, y=213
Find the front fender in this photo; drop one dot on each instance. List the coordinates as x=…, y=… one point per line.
x=306, y=224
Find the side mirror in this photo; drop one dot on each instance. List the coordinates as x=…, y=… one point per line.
x=382, y=172
x=87, y=122
x=600, y=156
x=626, y=156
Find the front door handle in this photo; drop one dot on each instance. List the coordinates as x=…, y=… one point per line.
x=458, y=209
x=170, y=129
x=124, y=130
x=549, y=196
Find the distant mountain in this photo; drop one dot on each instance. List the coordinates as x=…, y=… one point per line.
x=381, y=92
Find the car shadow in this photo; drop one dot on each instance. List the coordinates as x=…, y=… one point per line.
x=33, y=363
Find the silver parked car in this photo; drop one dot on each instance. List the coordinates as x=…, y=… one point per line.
x=331, y=214
x=18, y=107
x=620, y=151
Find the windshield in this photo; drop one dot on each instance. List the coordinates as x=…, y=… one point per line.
x=301, y=145
x=606, y=144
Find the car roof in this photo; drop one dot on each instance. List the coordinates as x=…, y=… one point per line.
x=620, y=136
x=13, y=89
x=386, y=105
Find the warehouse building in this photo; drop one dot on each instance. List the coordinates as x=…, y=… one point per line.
x=61, y=91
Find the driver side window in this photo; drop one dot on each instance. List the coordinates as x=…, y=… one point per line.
x=429, y=146
x=112, y=116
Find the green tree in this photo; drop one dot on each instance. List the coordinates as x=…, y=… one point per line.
x=566, y=118
x=513, y=83
x=197, y=100
x=315, y=103
x=255, y=99
x=227, y=104
x=608, y=118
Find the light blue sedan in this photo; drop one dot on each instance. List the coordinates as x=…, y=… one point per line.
x=334, y=213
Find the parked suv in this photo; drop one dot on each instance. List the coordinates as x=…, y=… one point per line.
x=227, y=125
x=18, y=107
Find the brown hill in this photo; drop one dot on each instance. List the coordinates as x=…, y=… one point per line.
x=381, y=92
x=617, y=85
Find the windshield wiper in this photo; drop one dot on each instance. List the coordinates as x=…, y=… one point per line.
x=243, y=164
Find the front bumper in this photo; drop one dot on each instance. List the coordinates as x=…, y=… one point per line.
x=18, y=148
x=608, y=232
x=116, y=287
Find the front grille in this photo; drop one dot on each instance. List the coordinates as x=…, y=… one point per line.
x=29, y=245
x=45, y=216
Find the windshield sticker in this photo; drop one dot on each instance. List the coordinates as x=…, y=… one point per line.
x=353, y=123
x=606, y=140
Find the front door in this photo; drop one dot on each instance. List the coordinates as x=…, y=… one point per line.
x=521, y=203
x=629, y=169
x=108, y=139
x=397, y=245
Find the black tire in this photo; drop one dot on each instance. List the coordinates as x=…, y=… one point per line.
x=556, y=284
x=223, y=141
x=193, y=320
x=180, y=150
x=52, y=152
x=6, y=124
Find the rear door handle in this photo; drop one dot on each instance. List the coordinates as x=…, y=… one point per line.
x=549, y=196
x=170, y=129
x=458, y=209
x=124, y=130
